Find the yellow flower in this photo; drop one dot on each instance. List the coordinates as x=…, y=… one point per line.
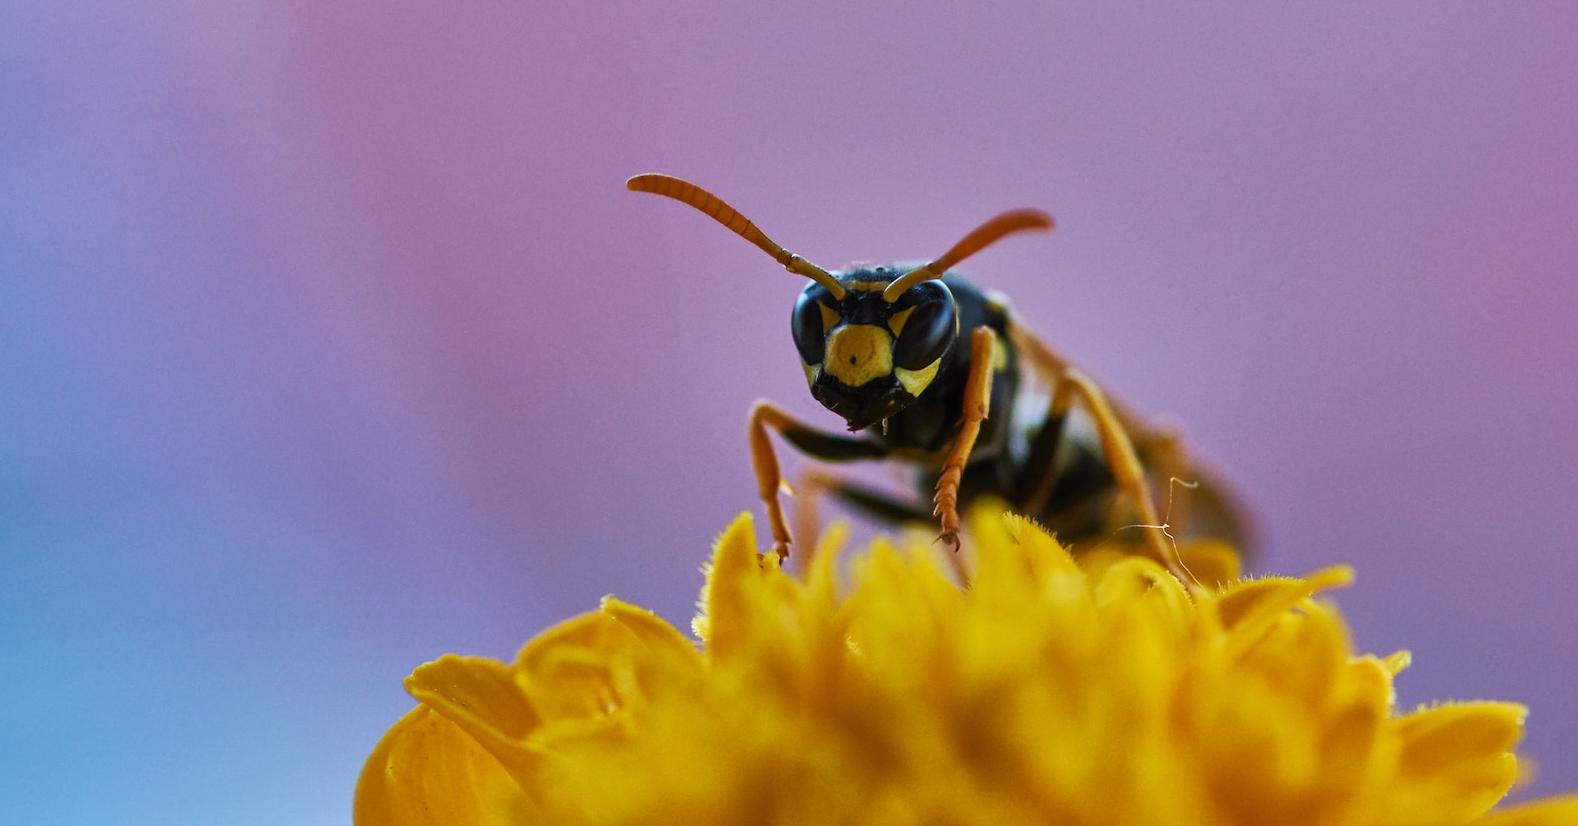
x=1097, y=691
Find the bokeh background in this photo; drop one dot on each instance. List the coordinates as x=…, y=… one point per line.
x=330, y=342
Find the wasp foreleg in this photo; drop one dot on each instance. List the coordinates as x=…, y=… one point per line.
x=977, y=400
x=832, y=447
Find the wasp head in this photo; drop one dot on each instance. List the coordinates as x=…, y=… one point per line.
x=866, y=357
x=871, y=339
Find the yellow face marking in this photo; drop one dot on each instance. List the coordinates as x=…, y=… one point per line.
x=811, y=372
x=867, y=286
x=896, y=322
x=915, y=381
x=858, y=353
x=829, y=317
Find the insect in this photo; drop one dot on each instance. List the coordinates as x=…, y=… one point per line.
x=925, y=367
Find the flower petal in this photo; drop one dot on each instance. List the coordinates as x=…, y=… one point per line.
x=1050, y=689
x=1138, y=581
x=1554, y=811
x=1213, y=564
x=426, y=770
x=821, y=574
x=477, y=693
x=648, y=628
x=569, y=674
x=725, y=610
x=1248, y=608
x=1369, y=681
x=1456, y=760
x=1397, y=661
x=1446, y=734
x=482, y=698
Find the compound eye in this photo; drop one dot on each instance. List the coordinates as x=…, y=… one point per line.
x=809, y=322
x=926, y=328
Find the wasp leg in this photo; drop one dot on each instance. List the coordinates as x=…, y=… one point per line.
x=815, y=484
x=1212, y=505
x=1052, y=366
x=1123, y=461
x=764, y=415
x=1112, y=426
x=977, y=400
x=1161, y=451
x=867, y=500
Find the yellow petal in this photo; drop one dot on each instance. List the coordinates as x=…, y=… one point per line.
x=1446, y=734
x=1369, y=681
x=821, y=575
x=1248, y=608
x=1046, y=557
x=1213, y=564
x=478, y=694
x=649, y=629
x=1554, y=811
x=1003, y=574
x=481, y=697
x=427, y=771
x=726, y=612
x=565, y=670
x=652, y=657
x=1456, y=760
x=1052, y=689
x=1349, y=745
x=1303, y=653
x=1138, y=581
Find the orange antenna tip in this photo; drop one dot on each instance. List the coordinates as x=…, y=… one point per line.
x=1007, y=223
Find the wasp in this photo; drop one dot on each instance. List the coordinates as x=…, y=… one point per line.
x=925, y=367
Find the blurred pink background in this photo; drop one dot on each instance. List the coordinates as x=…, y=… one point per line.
x=330, y=342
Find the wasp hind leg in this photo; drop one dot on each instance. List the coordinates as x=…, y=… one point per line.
x=1112, y=429
x=815, y=484
x=869, y=501
x=812, y=442
x=1160, y=450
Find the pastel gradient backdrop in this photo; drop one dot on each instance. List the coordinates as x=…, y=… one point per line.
x=330, y=342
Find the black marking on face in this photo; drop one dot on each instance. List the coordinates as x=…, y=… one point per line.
x=863, y=406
